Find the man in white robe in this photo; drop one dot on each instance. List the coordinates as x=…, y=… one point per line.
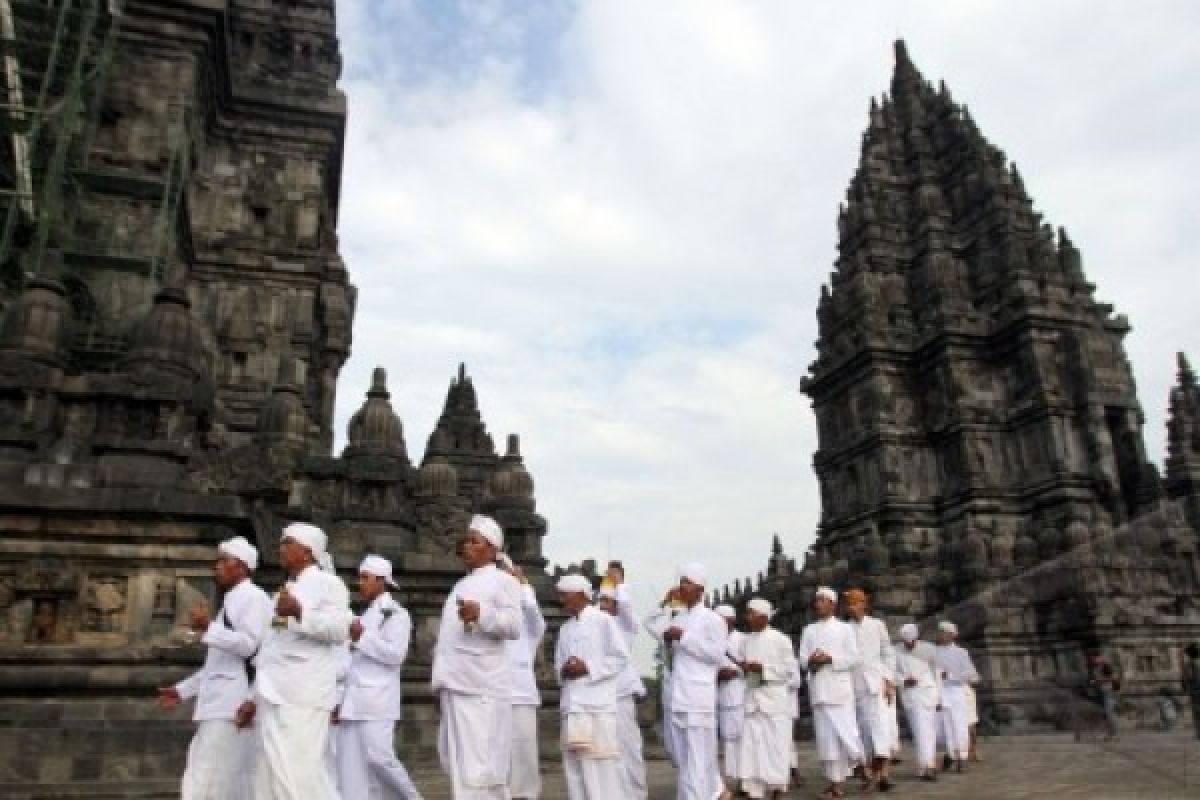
x=697, y=640
x=295, y=685
x=367, y=766
x=472, y=671
x=525, y=777
x=769, y=664
x=616, y=602
x=916, y=672
x=589, y=658
x=874, y=687
x=656, y=624
x=956, y=672
x=829, y=654
x=220, y=759
x=731, y=699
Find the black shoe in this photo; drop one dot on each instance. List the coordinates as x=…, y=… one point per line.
x=929, y=776
x=947, y=762
x=884, y=785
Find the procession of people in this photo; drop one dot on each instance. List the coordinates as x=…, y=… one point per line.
x=298, y=697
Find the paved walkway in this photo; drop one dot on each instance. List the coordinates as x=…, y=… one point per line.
x=1142, y=766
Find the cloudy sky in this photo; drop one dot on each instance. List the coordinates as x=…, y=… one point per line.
x=619, y=214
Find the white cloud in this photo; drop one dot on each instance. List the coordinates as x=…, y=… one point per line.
x=620, y=216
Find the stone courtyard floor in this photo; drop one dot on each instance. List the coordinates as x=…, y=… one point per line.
x=1140, y=766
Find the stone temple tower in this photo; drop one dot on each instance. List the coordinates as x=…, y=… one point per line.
x=980, y=438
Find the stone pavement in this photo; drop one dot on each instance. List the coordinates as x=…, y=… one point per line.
x=1140, y=766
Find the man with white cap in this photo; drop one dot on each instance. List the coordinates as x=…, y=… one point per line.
x=524, y=777
x=613, y=598
x=295, y=685
x=220, y=759
x=472, y=671
x=656, y=624
x=589, y=658
x=769, y=664
x=874, y=687
x=370, y=706
x=697, y=640
x=957, y=672
x=731, y=699
x=829, y=654
x=916, y=672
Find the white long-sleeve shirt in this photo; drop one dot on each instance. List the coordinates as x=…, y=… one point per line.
x=731, y=694
x=770, y=692
x=955, y=665
x=297, y=664
x=522, y=651
x=372, y=690
x=878, y=657
x=592, y=637
x=475, y=661
x=629, y=684
x=234, y=635
x=833, y=683
x=696, y=657
x=920, y=665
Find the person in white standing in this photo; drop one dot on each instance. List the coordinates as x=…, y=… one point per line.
x=916, y=672
x=731, y=699
x=697, y=640
x=472, y=671
x=656, y=624
x=370, y=706
x=770, y=667
x=874, y=688
x=295, y=684
x=220, y=758
x=829, y=654
x=957, y=673
x=630, y=690
x=589, y=658
x=524, y=776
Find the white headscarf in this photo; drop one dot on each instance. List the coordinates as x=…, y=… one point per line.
x=488, y=528
x=827, y=593
x=314, y=539
x=694, y=572
x=946, y=626
x=728, y=612
x=909, y=632
x=760, y=605
x=609, y=592
x=574, y=583
x=380, y=567
x=242, y=550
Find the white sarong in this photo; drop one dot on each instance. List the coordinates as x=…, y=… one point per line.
x=632, y=761
x=525, y=776
x=839, y=746
x=874, y=715
x=591, y=756
x=731, y=722
x=475, y=745
x=220, y=762
x=292, y=764
x=922, y=721
x=367, y=763
x=766, y=759
x=695, y=736
x=954, y=721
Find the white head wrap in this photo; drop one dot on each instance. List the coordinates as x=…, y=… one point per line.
x=728, y=612
x=909, y=632
x=488, y=528
x=695, y=573
x=827, y=593
x=607, y=591
x=574, y=583
x=242, y=550
x=314, y=539
x=946, y=626
x=380, y=567
x=760, y=605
